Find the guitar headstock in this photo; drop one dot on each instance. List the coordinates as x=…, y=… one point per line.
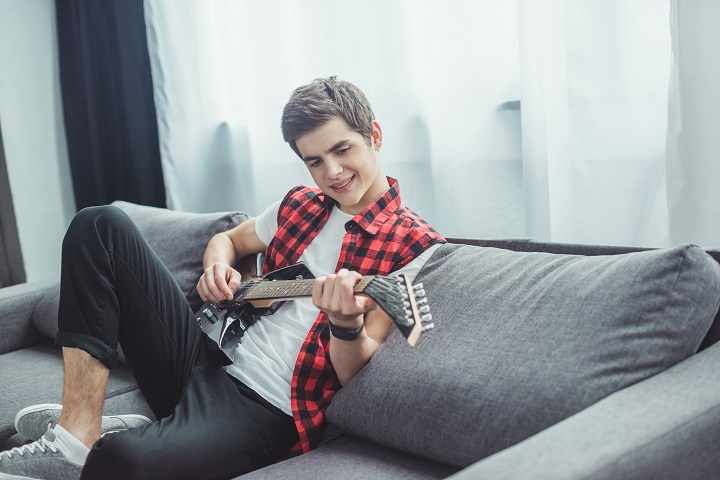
x=404, y=303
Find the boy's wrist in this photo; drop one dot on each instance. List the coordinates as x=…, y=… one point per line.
x=346, y=334
x=347, y=331
x=347, y=321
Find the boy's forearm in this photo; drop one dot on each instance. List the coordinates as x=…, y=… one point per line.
x=233, y=245
x=349, y=357
x=220, y=249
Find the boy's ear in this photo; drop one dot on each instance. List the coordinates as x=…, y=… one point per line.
x=376, y=135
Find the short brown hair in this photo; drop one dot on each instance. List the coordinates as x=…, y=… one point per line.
x=313, y=105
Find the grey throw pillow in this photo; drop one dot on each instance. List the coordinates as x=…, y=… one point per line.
x=524, y=340
x=178, y=238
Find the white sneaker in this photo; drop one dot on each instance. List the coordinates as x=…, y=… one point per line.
x=41, y=459
x=32, y=422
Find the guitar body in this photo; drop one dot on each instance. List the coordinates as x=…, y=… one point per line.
x=223, y=324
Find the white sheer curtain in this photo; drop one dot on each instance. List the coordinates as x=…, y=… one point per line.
x=594, y=113
x=693, y=137
x=436, y=73
x=448, y=82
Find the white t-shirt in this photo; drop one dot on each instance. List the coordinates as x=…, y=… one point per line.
x=265, y=358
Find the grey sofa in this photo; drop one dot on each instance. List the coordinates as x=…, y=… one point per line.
x=548, y=361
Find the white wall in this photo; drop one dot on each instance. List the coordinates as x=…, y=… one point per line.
x=34, y=133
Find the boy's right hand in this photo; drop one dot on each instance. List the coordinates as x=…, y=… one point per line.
x=218, y=283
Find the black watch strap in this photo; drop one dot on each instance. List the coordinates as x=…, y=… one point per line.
x=347, y=334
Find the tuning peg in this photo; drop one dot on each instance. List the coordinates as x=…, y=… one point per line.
x=427, y=318
x=428, y=326
x=420, y=293
x=405, y=296
x=406, y=304
x=417, y=286
x=421, y=301
x=424, y=309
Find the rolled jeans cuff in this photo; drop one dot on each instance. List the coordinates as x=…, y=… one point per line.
x=96, y=348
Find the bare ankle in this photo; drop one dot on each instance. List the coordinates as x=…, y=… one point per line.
x=84, y=386
x=82, y=434
x=85, y=429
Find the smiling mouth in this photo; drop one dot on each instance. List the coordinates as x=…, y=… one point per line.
x=341, y=185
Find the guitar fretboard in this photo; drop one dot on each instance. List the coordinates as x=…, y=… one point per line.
x=290, y=288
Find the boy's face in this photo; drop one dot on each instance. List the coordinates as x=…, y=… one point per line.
x=344, y=165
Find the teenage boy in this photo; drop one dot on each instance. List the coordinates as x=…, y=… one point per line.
x=216, y=422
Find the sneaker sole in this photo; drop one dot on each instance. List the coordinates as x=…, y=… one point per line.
x=7, y=476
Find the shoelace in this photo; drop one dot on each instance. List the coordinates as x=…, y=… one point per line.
x=41, y=445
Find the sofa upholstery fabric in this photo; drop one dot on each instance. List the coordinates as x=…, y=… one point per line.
x=546, y=336
x=351, y=458
x=663, y=428
x=16, y=325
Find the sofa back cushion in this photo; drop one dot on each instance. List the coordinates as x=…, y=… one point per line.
x=524, y=340
x=178, y=238
x=530, y=245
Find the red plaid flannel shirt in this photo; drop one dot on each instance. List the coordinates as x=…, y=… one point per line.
x=379, y=240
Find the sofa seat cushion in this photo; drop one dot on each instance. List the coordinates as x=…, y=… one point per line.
x=34, y=375
x=354, y=458
x=524, y=340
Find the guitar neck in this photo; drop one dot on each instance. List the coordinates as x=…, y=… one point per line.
x=289, y=289
x=405, y=303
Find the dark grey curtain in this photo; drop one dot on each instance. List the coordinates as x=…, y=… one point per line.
x=108, y=102
x=12, y=269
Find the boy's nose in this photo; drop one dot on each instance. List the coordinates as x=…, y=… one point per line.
x=333, y=169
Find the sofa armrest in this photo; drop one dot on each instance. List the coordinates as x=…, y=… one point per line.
x=666, y=427
x=17, y=303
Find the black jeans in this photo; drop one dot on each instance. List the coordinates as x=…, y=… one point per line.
x=114, y=289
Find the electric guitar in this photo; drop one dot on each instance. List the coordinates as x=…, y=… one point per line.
x=224, y=323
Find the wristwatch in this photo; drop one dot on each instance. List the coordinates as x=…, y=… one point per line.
x=347, y=334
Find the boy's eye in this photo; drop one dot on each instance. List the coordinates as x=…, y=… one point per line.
x=314, y=163
x=343, y=150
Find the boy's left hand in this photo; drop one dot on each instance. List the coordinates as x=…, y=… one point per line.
x=334, y=295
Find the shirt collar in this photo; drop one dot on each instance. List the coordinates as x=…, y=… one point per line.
x=377, y=212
